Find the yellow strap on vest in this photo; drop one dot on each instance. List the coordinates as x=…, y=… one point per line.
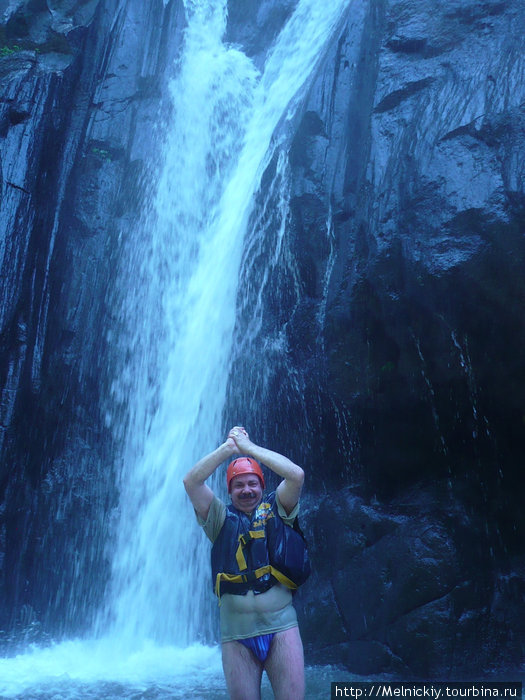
x=243, y=541
x=269, y=569
x=261, y=571
x=229, y=578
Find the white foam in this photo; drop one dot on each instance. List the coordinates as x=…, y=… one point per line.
x=92, y=662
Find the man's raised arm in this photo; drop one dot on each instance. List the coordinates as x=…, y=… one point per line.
x=290, y=488
x=201, y=495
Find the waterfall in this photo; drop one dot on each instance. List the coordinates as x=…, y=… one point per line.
x=182, y=313
x=222, y=136
x=178, y=283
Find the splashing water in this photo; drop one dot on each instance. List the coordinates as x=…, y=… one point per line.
x=179, y=282
x=226, y=116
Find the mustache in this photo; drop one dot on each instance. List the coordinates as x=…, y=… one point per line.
x=246, y=496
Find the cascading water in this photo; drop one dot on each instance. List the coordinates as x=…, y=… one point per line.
x=224, y=122
x=190, y=263
x=179, y=283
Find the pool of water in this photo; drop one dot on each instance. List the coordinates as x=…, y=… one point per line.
x=106, y=670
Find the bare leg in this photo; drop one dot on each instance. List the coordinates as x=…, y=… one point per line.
x=285, y=665
x=242, y=670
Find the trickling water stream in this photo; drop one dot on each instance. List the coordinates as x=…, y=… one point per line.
x=179, y=282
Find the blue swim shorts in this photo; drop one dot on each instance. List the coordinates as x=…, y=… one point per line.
x=260, y=646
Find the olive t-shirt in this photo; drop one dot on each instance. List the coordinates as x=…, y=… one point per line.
x=251, y=615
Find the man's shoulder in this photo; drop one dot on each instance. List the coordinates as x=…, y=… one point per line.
x=215, y=520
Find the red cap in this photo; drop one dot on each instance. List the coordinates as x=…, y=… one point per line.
x=243, y=465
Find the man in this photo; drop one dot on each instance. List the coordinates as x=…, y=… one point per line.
x=252, y=577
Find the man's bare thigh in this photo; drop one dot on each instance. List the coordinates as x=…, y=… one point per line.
x=285, y=665
x=242, y=671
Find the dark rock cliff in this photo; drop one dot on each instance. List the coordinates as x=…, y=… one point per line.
x=391, y=338
x=81, y=86
x=422, y=336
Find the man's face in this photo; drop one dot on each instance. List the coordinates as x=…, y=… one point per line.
x=246, y=492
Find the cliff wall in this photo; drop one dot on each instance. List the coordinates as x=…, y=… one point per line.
x=391, y=336
x=81, y=90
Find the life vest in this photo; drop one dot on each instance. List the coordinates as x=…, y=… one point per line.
x=254, y=553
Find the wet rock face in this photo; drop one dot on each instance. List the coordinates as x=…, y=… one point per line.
x=395, y=577
x=254, y=24
x=406, y=588
x=80, y=86
x=419, y=350
x=394, y=337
